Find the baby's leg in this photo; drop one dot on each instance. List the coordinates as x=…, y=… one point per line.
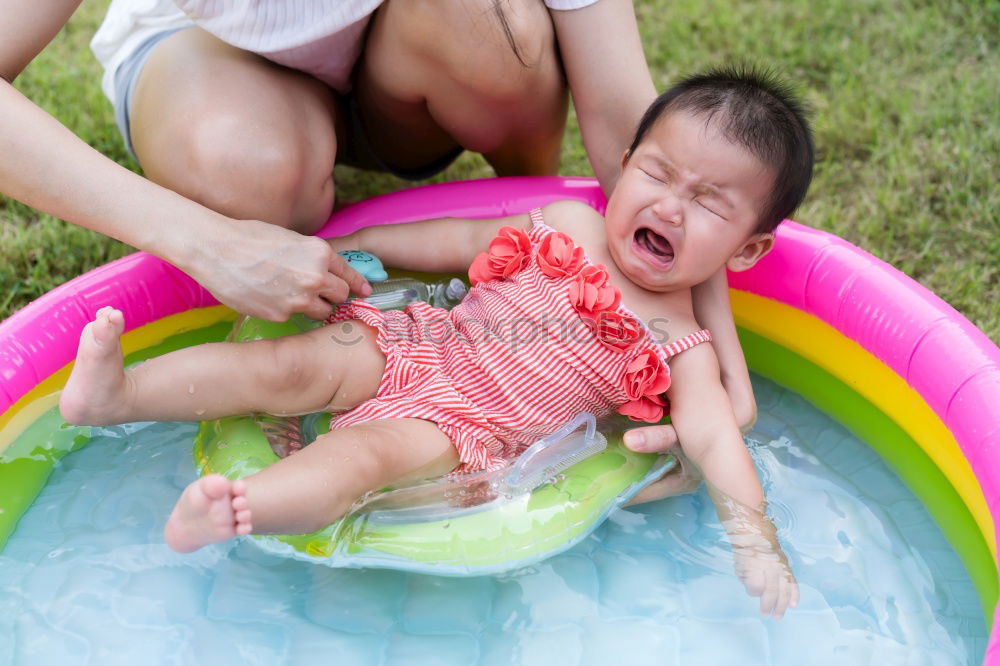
x=316, y=486
x=336, y=366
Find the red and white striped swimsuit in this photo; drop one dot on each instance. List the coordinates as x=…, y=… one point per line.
x=540, y=337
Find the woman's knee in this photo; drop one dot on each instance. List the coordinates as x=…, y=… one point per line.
x=245, y=172
x=235, y=132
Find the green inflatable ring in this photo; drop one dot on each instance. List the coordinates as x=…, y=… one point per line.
x=505, y=533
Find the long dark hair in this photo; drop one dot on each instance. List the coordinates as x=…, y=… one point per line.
x=501, y=15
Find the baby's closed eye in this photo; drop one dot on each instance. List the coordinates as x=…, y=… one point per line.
x=710, y=209
x=658, y=176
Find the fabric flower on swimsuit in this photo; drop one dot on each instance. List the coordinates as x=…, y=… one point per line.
x=590, y=293
x=507, y=254
x=559, y=257
x=618, y=331
x=646, y=379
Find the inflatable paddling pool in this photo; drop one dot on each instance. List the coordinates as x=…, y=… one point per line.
x=866, y=344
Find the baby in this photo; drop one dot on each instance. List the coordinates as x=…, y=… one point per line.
x=568, y=312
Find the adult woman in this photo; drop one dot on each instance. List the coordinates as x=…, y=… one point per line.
x=244, y=146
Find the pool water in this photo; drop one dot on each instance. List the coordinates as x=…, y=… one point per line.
x=87, y=579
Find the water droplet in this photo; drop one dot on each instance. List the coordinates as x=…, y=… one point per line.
x=191, y=389
x=199, y=412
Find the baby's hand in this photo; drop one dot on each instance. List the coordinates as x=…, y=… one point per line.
x=760, y=563
x=763, y=569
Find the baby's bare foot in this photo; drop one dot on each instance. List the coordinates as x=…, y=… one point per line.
x=97, y=387
x=210, y=510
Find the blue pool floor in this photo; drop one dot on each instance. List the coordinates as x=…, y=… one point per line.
x=87, y=579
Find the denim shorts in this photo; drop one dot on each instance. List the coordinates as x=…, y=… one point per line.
x=125, y=77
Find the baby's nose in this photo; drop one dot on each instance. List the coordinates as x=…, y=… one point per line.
x=669, y=209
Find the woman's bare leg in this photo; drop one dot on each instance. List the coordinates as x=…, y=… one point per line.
x=236, y=132
x=337, y=367
x=435, y=75
x=311, y=489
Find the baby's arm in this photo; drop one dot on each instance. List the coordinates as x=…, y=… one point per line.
x=712, y=310
x=703, y=416
x=442, y=245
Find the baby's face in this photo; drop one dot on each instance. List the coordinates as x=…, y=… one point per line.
x=686, y=202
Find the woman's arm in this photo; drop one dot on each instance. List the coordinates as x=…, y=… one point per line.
x=26, y=28
x=45, y=165
x=256, y=268
x=608, y=78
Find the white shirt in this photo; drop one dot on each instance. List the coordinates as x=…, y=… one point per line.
x=320, y=37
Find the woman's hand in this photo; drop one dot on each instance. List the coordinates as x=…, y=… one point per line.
x=683, y=478
x=270, y=272
x=663, y=438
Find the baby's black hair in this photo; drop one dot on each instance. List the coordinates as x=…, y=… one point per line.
x=754, y=110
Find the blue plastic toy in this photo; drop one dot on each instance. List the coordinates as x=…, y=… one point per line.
x=365, y=263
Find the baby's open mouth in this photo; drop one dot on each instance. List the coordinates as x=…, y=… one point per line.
x=656, y=248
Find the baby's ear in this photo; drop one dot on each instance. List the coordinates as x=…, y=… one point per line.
x=750, y=252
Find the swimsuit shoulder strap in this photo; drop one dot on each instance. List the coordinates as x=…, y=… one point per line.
x=536, y=217
x=688, y=341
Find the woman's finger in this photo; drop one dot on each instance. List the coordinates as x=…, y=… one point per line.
x=652, y=439
x=334, y=290
x=318, y=308
x=356, y=283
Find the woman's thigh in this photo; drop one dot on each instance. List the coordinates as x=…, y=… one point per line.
x=236, y=132
x=478, y=74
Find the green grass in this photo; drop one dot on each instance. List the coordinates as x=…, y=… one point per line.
x=904, y=97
